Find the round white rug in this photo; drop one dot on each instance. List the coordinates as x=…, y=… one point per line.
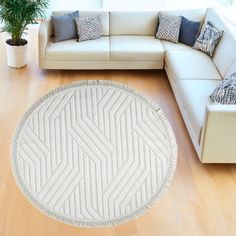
x=94, y=153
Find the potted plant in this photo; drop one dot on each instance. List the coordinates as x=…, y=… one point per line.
x=15, y=15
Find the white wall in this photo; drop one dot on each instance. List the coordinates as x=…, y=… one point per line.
x=143, y=5
x=135, y=4
x=151, y=4
x=75, y=4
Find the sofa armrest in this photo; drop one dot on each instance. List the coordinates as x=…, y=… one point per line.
x=218, y=139
x=45, y=32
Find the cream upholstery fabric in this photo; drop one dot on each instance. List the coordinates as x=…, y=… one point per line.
x=71, y=50
x=231, y=70
x=171, y=78
x=136, y=48
x=105, y=65
x=191, y=64
x=133, y=22
x=169, y=46
x=45, y=32
x=104, y=17
x=194, y=95
x=193, y=14
x=218, y=135
x=225, y=51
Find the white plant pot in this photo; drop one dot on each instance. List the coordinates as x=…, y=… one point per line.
x=16, y=55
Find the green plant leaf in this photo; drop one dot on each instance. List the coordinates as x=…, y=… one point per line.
x=17, y=14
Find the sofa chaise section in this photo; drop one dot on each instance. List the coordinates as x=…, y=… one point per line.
x=193, y=76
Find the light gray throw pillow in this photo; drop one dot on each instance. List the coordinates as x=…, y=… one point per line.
x=65, y=27
x=88, y=28
x=169, y=28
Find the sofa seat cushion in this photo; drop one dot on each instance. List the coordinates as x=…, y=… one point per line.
x=135, y=48
x=71, y=50
x=191, y=64
x=194, y=95
x=168, y=46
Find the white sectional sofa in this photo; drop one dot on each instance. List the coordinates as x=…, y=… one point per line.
x=128, y=42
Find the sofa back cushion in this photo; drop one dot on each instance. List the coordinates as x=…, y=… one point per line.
x=133, y=23
x=232, y=69
x=104, y=17
x=190, y=14
x=224, y=55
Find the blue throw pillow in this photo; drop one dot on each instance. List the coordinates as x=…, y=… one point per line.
x=188, y=31
x=65, y=27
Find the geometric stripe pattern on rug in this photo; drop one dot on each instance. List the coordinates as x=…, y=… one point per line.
x=94, y=154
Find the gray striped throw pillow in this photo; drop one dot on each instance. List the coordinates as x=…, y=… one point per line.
x=225, y=93
x=208, y=39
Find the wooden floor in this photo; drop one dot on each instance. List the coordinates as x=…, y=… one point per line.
x=200, y=201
